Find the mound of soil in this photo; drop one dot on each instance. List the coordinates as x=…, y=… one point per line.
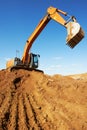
x=31, y=100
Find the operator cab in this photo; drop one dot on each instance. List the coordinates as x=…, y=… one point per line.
x=34, y=60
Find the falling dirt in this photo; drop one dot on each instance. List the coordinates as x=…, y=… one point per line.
x=31, y=100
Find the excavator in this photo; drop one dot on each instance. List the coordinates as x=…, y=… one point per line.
x=75, y=35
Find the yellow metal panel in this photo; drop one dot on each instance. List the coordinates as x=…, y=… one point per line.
x=10, y=63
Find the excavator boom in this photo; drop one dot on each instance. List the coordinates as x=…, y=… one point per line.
x=33, y=37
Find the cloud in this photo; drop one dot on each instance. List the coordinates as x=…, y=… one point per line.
x=57, y=58
x=7, y=58
x=53, y=67
x=74, y=64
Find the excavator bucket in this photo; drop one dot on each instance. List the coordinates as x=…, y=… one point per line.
x=75, y=34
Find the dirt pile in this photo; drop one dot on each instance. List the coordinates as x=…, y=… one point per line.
x=31, y=100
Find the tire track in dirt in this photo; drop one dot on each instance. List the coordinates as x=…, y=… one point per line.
x=13, y=118
x=43, y=117
x=6, y=107
x=30, y=114
x=22, y=124
x=4, y=110
x=35, y=114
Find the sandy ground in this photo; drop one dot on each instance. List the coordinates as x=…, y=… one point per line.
x=31, y=100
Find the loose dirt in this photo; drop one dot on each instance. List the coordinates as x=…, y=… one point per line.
x=31, y=100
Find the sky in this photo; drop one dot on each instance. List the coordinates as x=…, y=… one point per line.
x=18, y=19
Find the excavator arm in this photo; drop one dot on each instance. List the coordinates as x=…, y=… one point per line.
x=54, y=14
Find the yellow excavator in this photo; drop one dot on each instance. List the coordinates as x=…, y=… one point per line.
x=75, y=35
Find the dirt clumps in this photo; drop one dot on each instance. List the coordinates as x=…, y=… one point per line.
x=31, y=100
